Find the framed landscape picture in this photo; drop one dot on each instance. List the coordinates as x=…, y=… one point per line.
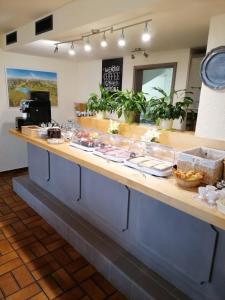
x=21, y=82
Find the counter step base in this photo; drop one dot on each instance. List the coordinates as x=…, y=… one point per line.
x=124, y=271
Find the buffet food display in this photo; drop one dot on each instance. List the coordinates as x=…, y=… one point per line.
x=155, y=160
x=86, y=139
x=151, y=158
x=112, y=153
x=114, y=148
x=193, y=168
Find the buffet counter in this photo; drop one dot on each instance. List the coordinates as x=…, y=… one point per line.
x=161, y=189
x=127, y=223
x=175, y=138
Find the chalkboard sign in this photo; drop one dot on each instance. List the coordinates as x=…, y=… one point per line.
x=112, y=73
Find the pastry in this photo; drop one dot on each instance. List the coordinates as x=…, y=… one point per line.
x=188, y=176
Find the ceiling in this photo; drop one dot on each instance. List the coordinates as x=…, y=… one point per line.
x=15, y=13
x=176, y=24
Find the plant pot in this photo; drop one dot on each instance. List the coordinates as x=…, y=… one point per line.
x=100, y=115
x=166, y=124
x=131, y=117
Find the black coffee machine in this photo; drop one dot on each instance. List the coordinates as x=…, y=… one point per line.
x=35, y=111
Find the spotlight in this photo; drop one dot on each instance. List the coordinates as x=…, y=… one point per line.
x=145, y=54
x=71, y=50
x=104, y=43
x=56, y=49
x=87, y=46
x=121, y=41
x=132, y=56
x=146, y=35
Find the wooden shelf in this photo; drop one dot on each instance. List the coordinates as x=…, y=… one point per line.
x=164, y=190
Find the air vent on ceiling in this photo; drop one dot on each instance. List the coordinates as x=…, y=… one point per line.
x=11, y=38
x=44, y=25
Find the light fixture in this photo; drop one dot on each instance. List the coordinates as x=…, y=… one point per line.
x=56, y=49
x=87, y=46
x=145, y=54
x=132, y=56
x=122, y=41
x=72, y=50
x=85, y=38
x=146, y=35
x=104, y=43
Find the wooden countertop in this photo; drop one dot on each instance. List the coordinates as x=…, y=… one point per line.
x=161, y=189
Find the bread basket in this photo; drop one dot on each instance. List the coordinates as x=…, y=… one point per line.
x=188, y=182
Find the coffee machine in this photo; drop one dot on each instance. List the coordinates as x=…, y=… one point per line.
x=35, y=111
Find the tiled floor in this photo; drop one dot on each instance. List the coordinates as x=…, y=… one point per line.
x=36, y=263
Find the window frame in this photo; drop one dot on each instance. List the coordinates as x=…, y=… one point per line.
x=138, y=74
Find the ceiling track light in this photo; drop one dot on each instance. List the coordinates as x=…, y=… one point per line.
x=137, y=51
x=87, y=45
x=72, y=50
x=111, y=29
x=56, y=50
x=122, y=41
x=145, y=54
x=146, y=34
x=104, y=43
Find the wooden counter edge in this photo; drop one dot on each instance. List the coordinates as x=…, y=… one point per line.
x=189, y=206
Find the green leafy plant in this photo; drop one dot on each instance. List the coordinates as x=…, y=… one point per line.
x=100, y=103
x=129, y=101
x=162, y=107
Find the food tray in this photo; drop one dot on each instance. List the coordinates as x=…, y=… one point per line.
x=150, y=170
x=88, y=149
x=206, y=160
x=153, y=171
x=131, y=164
x=107, y=155
x=86, y=139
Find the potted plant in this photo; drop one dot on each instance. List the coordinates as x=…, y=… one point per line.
x=100, y=104
x=130, y=104
x=162, y=111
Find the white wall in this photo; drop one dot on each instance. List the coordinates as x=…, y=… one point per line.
x=195, y=80
x=89, y=76
x=13, y=151
x=75, y=83
x=89, y=73
x=211, y=117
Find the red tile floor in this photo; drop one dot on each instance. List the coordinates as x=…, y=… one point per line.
x=36, y=262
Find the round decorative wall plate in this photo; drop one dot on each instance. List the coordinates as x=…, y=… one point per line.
x=213, y=69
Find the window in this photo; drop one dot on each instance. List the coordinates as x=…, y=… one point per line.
x=147, y=77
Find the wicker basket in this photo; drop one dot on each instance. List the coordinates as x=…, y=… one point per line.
x=208, y=161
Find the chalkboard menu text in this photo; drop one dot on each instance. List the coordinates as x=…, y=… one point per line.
x=112, y=72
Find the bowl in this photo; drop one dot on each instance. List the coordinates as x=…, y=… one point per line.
x=188, y=179
x=188, y=184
